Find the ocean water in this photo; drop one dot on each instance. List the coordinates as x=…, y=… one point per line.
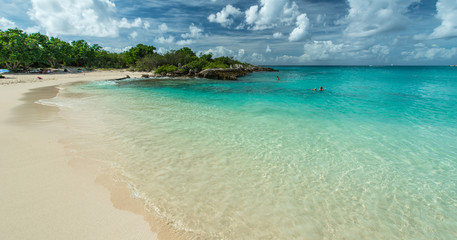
x=374, y=156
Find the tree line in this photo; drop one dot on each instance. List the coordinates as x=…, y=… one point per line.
x=20, y=51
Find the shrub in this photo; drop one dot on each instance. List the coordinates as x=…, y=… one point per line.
x=226, y=60
x=166, y=69
x=215, y=65
x=197, y=64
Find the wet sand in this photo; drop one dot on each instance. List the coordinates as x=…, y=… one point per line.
x=46, y=194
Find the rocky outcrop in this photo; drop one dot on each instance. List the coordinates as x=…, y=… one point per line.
x=231, y=73
x=220, y=73
x=224, y=74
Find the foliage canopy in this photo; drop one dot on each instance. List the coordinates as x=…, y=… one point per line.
x=22, y=51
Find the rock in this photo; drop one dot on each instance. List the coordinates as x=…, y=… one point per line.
x=145, y=75
x=126, y=77
x=231, y=73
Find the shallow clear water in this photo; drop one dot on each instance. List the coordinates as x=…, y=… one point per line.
x=374, y=156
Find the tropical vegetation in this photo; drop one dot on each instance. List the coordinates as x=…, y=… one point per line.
x=20, y=51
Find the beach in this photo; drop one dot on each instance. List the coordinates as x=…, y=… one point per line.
x=370, y=156
x=44, y=194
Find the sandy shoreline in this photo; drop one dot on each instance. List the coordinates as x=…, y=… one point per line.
x=45, y=193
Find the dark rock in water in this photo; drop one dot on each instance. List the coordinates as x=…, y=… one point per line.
x=223, y=74
x=126, y=77
x=145, y=75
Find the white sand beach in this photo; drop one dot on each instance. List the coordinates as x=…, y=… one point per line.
x=44, y=195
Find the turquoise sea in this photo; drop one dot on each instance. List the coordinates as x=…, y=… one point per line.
x=374, y=156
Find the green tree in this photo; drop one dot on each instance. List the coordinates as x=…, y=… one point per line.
x=57, y=52
x=84, y=55
x=136, y=53
x=14, y=48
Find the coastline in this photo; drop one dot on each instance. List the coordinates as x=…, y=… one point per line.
x=47, y=194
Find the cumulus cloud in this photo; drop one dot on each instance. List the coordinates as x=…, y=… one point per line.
x=163, y=28
x=277, y=35
x=424, y=52
x=124, y=23
x=447, y=13
x=189, y=38
x=368, y=18
x=165, y=40
x=224, y=16
x=79, y=17
x=146, y=25
x=257, y=58
x=162, y=50
x=133, y=35
x=32, y=29
x=270, y=13
x=321, y=50
x=6, y=24
x=380, y=50
x=300, y=32
x=328, y=51
x=241, y=53
x=219, y=51
x=117, y=50
x=194, y=32
x=185, y=42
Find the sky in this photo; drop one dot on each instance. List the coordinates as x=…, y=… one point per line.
x=265, y=32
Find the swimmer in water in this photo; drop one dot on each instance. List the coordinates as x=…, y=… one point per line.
x=277, y=78
x=321, y=89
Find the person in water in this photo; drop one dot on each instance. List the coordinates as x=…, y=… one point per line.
x=315, y=89
x=321, y=89
x=277, y=78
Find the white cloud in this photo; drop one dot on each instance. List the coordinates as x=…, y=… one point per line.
x=300, y=32
x=277, y=35
x=268, y=50
x=194, y=32
x=321, y=50
x=163, y=28
x=6, y=24
x=189, y=38
x=241, y=53
x=32, y=29
x=165, y=40
x=430, y=53
x=79, y=17
x=146, y=25
x=162, y=50
x=257, y=58
x=368, y=18
x=241, y=26
x=220, y=51
x=117, y=50
x=447, y=12
x=185, y=42
x=124, y=23
x=223, y=17
x=271, y=13
x=251, y=14
x=380, y=50
x=133, y=35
